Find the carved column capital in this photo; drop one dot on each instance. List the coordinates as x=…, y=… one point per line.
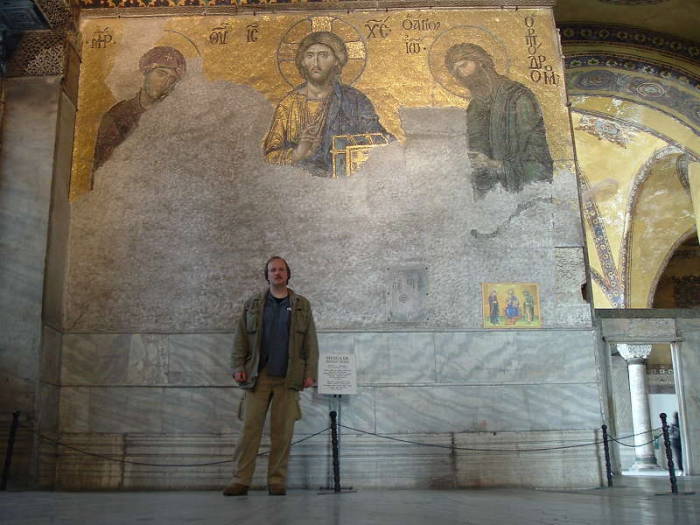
x=634, y=353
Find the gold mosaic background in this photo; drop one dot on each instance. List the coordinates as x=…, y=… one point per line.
x=395, y=59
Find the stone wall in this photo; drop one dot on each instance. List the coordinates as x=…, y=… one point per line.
x=167, y=237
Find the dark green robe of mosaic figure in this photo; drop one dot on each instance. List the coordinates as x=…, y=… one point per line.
x=508, y=127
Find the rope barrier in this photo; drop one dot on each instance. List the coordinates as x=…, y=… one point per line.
x=374, y=434
x=469, y=449
x=143, y=464
x=635, y=446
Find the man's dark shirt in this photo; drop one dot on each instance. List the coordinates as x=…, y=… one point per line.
x=275, y=335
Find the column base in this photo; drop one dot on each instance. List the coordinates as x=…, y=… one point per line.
x=646, y=465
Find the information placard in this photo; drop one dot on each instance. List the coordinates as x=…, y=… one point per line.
x=337, y=373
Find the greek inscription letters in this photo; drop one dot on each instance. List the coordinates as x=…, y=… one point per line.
x=219, y=35
x=101, y=38
x=416, y=24
x=413, y=46
x=539, y=70
x=252, y=32
x=377, y=28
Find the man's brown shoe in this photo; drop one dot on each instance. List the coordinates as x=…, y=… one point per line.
x=277, y=490
x=235, y=489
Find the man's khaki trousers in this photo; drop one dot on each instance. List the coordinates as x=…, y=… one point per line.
x=285, y=411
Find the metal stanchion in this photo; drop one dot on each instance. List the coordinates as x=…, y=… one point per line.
x=8, y=450
x=669, y=455
x=335, y=448
x=606, y=447
x=336, y=452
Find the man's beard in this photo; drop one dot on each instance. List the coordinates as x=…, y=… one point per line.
x=478, y=82
x=321, y=80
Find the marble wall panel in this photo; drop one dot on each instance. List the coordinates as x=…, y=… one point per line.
x=353, y=410
x=126, y=409
x=148, y=359
x=226, y=403
x=207, y=461
x=95, y=359
x=74, y=409
x=190, y=410
x=514, y=357
x=512, y=464
x=77, y=471
x=495, y=408
x=336, y=341
x=198, y=410
x=395, y=357
x=200, y=359
x=204, y=461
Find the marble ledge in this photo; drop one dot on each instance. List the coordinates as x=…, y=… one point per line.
x=360, y=384
x=369, y=330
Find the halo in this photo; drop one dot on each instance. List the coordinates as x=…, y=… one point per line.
x=471, y=35
x=289, y=43
x=188, y=39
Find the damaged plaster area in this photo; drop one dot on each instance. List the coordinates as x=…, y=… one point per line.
x=186, y=211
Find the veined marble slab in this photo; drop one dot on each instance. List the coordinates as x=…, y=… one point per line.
x=76, y=471
x=202, y=359
x=126, y=409
x=494, y=408
x=201, y=410
x=395, y=357
x=205, y=461
x=515, y=357
x=95, y=359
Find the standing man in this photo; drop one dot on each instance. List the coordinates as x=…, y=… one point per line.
x=307, y=119
x=275, y=355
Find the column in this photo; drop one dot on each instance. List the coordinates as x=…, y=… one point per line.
x=636, y=356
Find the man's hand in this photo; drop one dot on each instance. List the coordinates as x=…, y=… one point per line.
x=240, y=377
x=309, y=141
x=308, y=382
x=481, y=161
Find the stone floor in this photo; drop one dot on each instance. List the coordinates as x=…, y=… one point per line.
x=633, y=501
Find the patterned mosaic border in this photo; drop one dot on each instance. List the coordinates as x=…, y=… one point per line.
x=57, y=12
x=640, y=82
x=38, y=53
x=664, y=72
x=329, y=4
x=610, y=282
x=577, y=33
